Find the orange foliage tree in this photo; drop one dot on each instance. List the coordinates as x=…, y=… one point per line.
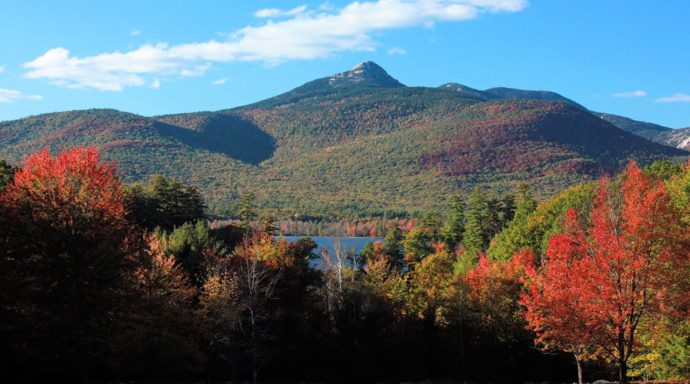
x=493, y=292
x=598, y=281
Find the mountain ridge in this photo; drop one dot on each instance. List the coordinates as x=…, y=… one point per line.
x=355, y=143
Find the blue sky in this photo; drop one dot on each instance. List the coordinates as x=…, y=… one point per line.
x=629, y=57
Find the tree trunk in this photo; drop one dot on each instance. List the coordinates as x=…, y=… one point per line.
x=462, y=352
x=623, y=371
x=622, y=361
x=579, y=368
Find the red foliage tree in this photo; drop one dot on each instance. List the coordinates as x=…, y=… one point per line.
x=67, y=246
x=598, y=282
x=70, y=190
x=552, y=305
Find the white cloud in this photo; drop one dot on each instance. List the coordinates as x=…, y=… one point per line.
x=675, y=98
x=2, y=69
x=156, y=84
x=302, y=35
x=275, y=12
x=11, y=96
x=220, y=81
x=638, y=93
x=135, y=32
x=397, y=51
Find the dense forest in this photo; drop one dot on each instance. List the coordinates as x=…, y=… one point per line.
x=106, y=281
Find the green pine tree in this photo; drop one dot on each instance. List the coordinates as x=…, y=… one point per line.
x=453, y=228
x=474, y=238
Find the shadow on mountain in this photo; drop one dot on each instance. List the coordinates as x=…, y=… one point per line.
x=225, y=134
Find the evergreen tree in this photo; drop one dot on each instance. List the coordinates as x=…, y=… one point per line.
x=6, y=174
x=431, y=225
x=418, y=245
x=525, y=203
x=392, y=244
x=474, y=238
x=453, y=228
x=246, y=210
x=188, y=243
x=165, y=203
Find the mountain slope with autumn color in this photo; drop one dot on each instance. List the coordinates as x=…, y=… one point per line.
x=354, y=143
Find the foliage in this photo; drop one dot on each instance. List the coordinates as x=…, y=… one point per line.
x=476, y=215
x=417, y=244
x=159, y=337
x=432, y=286
x=494, y=289
x=6, y=174
x=392, y=245
x=190, y=244
x=164, y=203
x=617, y=267
x=534, y=230
x=663, y=169
x=453, y=228
x=664, y=350
x=65, y=242
x=86, y=294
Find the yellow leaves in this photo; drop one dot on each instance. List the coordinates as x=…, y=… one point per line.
x=158, y=275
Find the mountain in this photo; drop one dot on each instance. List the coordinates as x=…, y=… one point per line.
x=502, y=93
x=353, y=144
x=678, y=138
x=364, y=75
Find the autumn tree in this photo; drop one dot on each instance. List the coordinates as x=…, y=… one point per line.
x=68, y=249
x=158, y=333
x=552, y=307
x=431, y=282
x=618, y=266
x=259, y=263
x=493, y=291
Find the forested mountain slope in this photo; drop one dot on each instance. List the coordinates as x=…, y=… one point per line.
x=355, y=143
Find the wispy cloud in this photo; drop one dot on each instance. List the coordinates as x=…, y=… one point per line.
x=220, y=81
x=631, y=94
x=675, y=98
x=156, y=84
x=11, y=96
x=275, y=12
x=2, y=69
x=300, y=34
x=135, y=32
x=396, y=51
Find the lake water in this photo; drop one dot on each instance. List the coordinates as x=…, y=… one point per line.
x=349, y=244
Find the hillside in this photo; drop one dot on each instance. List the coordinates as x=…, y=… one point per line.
x=355, y=143
x=678, y=138
x=502, y=93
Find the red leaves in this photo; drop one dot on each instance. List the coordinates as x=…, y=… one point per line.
x=597, y=282
x=66, y=190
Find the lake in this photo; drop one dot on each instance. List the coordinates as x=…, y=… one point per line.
x=349, y=244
